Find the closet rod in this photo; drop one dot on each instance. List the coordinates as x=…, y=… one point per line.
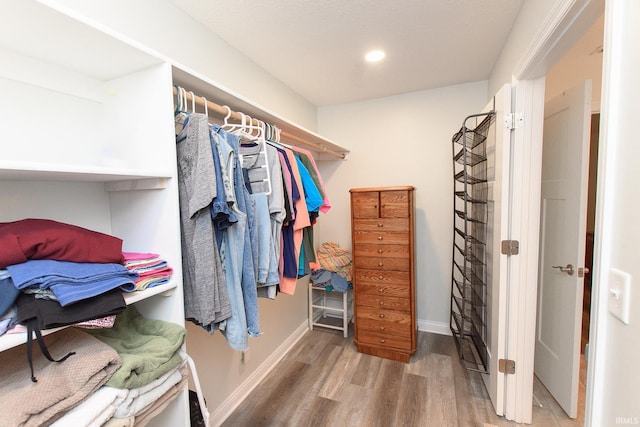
x=222, y=111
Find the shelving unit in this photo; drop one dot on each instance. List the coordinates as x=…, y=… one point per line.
x=468, y=321
x=88, y=137
x=332, y=310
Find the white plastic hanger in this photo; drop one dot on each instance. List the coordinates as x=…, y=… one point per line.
x=206, y=108
x=229, y=127
x=193, y=101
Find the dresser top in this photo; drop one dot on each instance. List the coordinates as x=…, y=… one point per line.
x=401, y=188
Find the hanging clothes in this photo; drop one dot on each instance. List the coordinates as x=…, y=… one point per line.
x=313, y=201
x=206, y=299
x=288, y=284
x=307, y=159
x=263, y=168
x=254, y=201
x=237, y=248
x=288, y=260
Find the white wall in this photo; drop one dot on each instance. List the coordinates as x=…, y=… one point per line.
x=161, y=26
x=616, y=378
x=404, y=140
x=527, y=24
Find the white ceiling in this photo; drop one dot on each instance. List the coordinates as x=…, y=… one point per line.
x=316, y=47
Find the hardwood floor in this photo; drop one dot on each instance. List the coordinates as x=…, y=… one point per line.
x=324, y=381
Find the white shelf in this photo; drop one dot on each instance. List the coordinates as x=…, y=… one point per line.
x=39, y=32
x=166, y=289
x=30, y=171
x=8, y=341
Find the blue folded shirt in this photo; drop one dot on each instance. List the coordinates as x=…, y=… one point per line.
x=72, y=281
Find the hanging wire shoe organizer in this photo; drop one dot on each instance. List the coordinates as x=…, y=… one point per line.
x=468, y=320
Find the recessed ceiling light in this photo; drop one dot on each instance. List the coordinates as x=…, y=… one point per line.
x=374, y=56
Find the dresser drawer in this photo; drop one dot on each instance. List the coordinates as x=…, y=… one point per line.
x=385, y=340
x=378, y=250
x=381, y=315
x=380, y=277
x=383, y=327
x=379, y=263
x=392, y=290
x=382, y=301
x=392, y=341
x=379, y=237
x=382, y=224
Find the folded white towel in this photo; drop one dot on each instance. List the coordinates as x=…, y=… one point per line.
x=94, y=411
x=139, y=399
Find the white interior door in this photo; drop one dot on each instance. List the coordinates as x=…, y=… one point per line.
x=562, y=244
x=498, y=160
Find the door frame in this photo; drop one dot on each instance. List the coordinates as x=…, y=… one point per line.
x=565, y=24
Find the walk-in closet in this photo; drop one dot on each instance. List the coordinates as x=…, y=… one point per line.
x=298, y=213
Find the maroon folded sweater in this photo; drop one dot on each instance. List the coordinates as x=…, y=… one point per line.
x=47, y=239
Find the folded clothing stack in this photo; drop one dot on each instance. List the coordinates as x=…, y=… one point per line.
x=60, y=386
x=72, y=281
x=148, y=348
x=150, y=268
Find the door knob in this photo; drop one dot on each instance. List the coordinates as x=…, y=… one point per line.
x=568, y=269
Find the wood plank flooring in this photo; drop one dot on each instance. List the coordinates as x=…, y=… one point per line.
x=324, y=381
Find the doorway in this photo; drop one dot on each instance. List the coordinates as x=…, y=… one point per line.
x=583, y=61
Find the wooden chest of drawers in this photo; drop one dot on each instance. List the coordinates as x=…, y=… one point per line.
x=382, y=227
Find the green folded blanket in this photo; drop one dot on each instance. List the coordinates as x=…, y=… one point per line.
x=148, y=348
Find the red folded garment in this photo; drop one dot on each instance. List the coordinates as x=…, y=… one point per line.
x=47, y=239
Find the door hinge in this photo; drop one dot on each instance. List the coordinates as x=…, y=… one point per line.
x=513, y=120
x=507, y=366
x=510, y=247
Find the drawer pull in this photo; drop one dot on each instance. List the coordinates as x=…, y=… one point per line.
x=380, y=264
x=381, y=302
x=379, y=237
x=380, y=225
x=381, y=316
x=382, y=340
x=380, y=289
x=380, y=277
x=379, y=251
x=382, y=328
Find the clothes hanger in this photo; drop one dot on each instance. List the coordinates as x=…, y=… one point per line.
x=246, y=128
x=247, y=133
x=181, y=100
x=229, y=127
x=181, y=115
x=193, y=101
x=206, y=108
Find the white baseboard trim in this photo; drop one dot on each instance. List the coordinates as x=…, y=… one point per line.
x=230, y=404
x=434, y=327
